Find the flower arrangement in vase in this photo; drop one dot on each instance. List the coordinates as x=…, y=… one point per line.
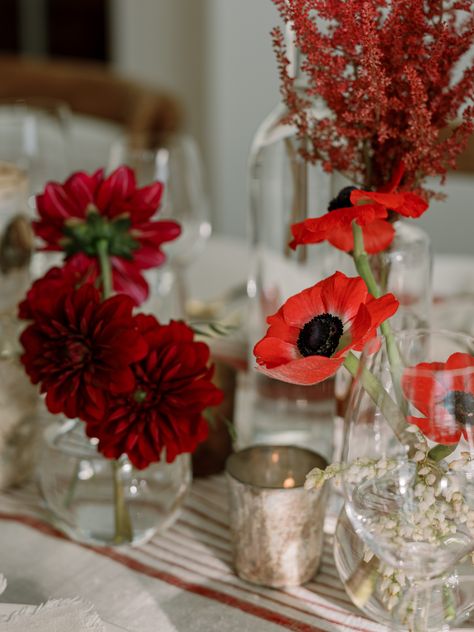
x=407, y=469
x=385, y=71
x=136, y=388
x=394, y=92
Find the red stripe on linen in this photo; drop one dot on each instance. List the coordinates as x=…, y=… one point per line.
x=145, y=569
x=259, y=592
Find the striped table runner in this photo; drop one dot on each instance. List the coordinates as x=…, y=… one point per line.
x=194, y=556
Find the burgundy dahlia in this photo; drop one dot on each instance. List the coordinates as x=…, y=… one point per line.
x=78, y=348
x=165, y=410
x=86, y=209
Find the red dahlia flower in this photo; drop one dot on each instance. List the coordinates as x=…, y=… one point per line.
x=54, y=284
x=311, y=334
x=173, y=387
x=75, y=215
x=79, y=348
x=369, y=210
x=444, y=393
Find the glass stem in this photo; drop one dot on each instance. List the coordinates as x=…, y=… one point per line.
x=123, y=524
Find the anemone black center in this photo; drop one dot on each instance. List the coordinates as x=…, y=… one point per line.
x=342, y=199
x=320, y=336
x=461, y=406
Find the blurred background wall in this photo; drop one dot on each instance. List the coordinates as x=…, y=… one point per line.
x=216, y=56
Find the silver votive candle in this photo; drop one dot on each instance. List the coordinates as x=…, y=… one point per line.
x=276, y=525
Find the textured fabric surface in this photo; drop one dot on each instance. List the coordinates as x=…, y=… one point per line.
x=180, y=581
x=56, y=615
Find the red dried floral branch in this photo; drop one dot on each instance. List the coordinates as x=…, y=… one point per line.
x=385, y=69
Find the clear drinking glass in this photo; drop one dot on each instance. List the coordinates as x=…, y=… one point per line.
x=34, y=136
x=284, y=188
x=77, y=483
x=174, y=160
x=409, y=487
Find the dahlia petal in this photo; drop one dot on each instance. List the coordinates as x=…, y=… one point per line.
x=147, y=199
x=304, y=371
x=128, y=280
x=119, y=186
x=447, y=433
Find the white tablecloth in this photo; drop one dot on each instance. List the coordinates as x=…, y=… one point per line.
x=180, y=581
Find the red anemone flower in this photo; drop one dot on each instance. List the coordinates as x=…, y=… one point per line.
x=311, y=334
x=173, y=387
x=75, y=215
x=369, y=210
x=79, y=348
x=444, y=393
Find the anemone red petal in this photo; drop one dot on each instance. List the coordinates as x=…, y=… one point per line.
x=305, y=371
x=447, y=433
x=421, y=387
x=378, y=236
x=272, y=352
x=301, y=308
x=342, y=295
x=462, y=367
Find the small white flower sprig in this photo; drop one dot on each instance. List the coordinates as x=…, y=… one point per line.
x=438, y=513
x=356, y=472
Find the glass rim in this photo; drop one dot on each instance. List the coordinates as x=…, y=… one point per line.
x=232, y=465
x=412, y=334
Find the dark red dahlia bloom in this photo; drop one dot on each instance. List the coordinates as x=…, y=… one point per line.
x=75, y=215
x=173, y=387
x=369, y=210
x=79, y=348
x=444, y=393
x=56, y=283
x=311, y=334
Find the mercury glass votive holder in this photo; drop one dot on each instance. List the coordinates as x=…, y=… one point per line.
x=276, y=525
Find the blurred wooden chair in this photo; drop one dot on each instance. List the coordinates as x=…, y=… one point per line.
x=465, y=161
x=91, y=89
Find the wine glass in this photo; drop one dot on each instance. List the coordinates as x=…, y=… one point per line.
x=34, y=149
x=174, y=160
x=34, y=137
x=408, y=476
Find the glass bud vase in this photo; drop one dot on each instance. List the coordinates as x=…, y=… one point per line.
x=451, y=597
x=81, y=489
x=284, y=189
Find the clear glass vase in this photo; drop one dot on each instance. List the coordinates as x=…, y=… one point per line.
x=408, y=479
x=82, y=489
x=284, y=188
x=451, y=597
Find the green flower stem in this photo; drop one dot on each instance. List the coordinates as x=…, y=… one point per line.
x=380, y=397
x=123, y=525
x=105, y=267
x=362, y=264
